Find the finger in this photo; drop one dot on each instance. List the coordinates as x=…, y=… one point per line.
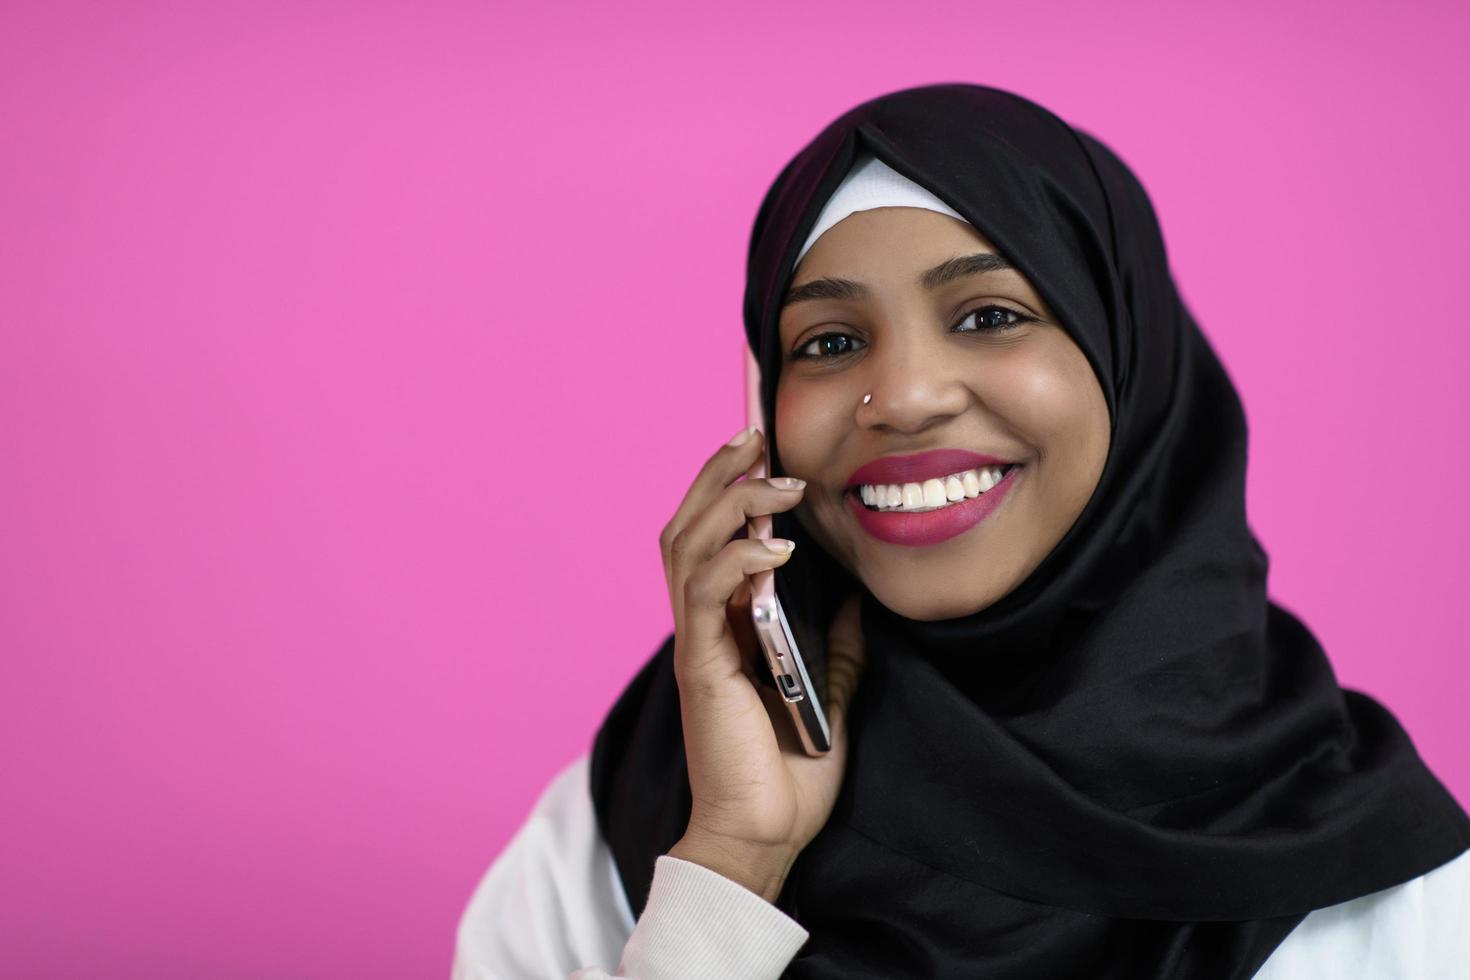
x=707, y=592
x=727, y=465
x=738, y=457
x=738, y=617
x=710, y=531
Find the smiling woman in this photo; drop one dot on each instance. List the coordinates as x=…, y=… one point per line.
x=959, y=355
x=1071, y=734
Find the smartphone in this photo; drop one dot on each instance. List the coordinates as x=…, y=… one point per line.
x=773, y=632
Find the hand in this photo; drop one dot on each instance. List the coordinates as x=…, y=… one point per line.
x=758, y=799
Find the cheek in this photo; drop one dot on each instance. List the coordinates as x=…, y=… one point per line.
x=1060, y=410
x=807, y=418
x=1051, y=400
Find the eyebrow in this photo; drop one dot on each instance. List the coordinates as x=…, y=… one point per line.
x=944, y=272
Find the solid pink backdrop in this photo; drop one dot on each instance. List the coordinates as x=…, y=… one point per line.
x=352, y=357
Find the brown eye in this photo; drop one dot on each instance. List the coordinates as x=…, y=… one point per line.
x=826, y=347
x=995, y=319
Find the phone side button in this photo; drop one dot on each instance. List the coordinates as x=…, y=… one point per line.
x=789, y=688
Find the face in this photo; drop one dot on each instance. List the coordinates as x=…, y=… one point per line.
x=961, y=356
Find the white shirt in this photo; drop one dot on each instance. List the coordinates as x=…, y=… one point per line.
x=552, y=906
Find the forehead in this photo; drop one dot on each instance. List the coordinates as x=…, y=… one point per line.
x=888, y=240
x=892, y=251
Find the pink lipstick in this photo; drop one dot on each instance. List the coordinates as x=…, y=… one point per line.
x=916, y=529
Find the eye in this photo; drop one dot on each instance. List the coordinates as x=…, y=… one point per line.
x=995, y=319
x=989, y=319
x=826, y=347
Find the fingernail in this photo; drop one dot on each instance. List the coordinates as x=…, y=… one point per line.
x=779, y=545
x=743, y=436
x=788, y=482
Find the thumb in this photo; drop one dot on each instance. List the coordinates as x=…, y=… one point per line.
x=846, y=656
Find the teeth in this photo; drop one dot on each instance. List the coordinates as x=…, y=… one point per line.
x=931, y=494
x=934, y=493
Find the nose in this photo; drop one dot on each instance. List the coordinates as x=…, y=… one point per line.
x=914, y=386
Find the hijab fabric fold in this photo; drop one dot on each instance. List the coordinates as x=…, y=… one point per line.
x=1135, y=764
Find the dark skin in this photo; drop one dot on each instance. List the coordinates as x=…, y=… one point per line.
x=943, y=374
x=939, y=379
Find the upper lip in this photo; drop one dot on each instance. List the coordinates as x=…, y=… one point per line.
x=919, y=467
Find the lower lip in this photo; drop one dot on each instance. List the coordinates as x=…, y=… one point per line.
x=931, y=526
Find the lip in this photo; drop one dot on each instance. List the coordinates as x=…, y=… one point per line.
x=919, y=467
x=932, y=526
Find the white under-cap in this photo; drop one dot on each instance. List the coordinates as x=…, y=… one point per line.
x=871, y=183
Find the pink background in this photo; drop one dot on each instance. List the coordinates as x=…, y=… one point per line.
x=353, y=355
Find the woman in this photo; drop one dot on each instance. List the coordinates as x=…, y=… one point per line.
x=1071, y=735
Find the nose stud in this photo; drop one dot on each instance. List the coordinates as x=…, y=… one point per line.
x=867, y=398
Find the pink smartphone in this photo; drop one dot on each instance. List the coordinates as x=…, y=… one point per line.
x=772, y=630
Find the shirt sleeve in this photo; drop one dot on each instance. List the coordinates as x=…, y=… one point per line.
x=1420, y=928
x=698, y=923
x=551, y=905
x=1447, y=895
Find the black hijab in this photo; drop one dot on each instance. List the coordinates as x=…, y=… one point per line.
x=1135, y=764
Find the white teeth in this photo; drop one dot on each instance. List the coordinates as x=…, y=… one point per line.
x=931, y=494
